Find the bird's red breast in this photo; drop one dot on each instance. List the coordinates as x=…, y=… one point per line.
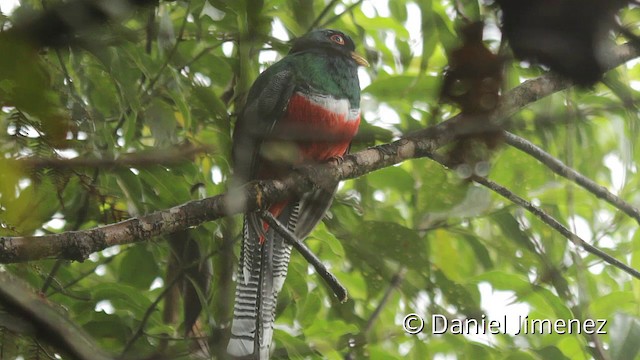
x=314, y=128
x=322, y=126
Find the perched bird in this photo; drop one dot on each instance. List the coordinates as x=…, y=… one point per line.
x=303, y=109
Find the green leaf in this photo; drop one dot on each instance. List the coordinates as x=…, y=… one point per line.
x=138, y=267
x=511, y=229
x=123, y=297
x=541, y=299
x=295, y=347
x=394, y=178
x=625, y=331
x=330, y=241
x=404, y=87
x=551, y=352
x=35, y=205
x=309, y=311
x=162, y=122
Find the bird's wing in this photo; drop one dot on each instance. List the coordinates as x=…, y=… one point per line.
x=265, y=106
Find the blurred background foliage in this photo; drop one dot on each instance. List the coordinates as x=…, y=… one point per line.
x=410, y=238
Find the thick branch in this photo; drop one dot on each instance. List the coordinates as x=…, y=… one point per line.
x=44, y=322
x=77, y=245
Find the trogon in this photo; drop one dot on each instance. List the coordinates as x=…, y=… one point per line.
x=303, y=109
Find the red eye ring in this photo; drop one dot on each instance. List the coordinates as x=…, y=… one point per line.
x=338, y=39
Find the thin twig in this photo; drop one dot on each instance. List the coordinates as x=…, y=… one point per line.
x=79, y=278
x=563, y=170
x=202, y=53
x=581, y=281
x=547, y=219
x=51, y=276
x=395, y=282
x=81, y=215
x=149, y=32
x=324, y=12
x=148, y=92
x=337, y=16
x=172, y=52
x=167, y=157
x=163, y=293
x=360, y=340
x=147, y=314
x=339, y=290
x=553, y=223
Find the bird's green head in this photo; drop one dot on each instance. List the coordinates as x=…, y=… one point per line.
x=328, y=41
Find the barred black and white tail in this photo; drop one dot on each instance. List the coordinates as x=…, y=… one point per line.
x=261, y=274
x=262, y=271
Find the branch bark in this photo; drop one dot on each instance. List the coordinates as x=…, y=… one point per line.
x=166, y=157
x=77, y=245
x=45, y=322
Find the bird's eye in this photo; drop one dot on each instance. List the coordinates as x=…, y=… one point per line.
x=338, y=39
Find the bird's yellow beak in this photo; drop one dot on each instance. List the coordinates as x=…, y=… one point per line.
x=359, y=59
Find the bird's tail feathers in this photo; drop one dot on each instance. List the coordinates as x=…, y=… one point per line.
x=261, y=275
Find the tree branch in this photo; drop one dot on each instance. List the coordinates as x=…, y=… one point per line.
x=395, y=283
x=323, y=13
x=166, y=157
x=338, y=289
x=77, y=245
x=147, y=315
x=563, y=170
x=549, y=83
x=547, y=219
x=177, y=276
x=44, y=321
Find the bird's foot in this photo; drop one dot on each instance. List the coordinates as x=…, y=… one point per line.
x=336, y=160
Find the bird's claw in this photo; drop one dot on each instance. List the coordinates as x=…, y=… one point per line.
x=336, y=160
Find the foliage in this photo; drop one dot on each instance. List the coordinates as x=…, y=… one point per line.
x=177, y=73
